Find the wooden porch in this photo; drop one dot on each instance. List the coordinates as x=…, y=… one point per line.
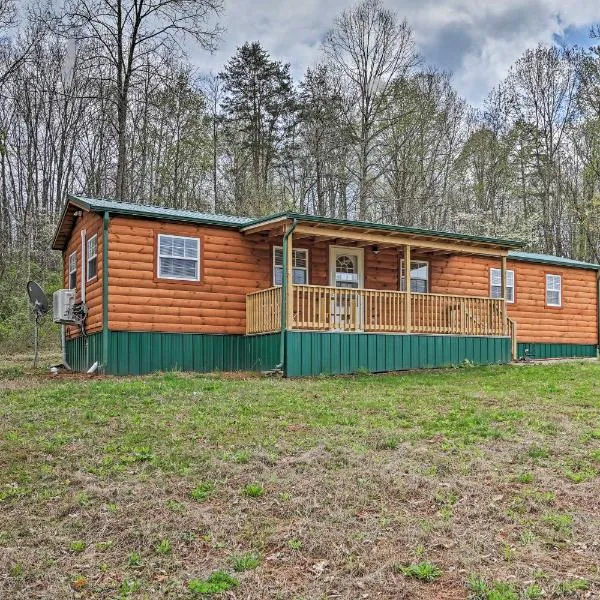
x=346, y=304
x=326, y=308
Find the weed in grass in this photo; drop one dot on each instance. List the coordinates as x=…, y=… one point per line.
x=128, y=587
x=103, y=546
x=16, y=570
x=202, y=491
x=240, y=457
x=82, y=499
x=579, y=471
x=525, y=478
x=527, y=537
x=175, y=505
x=245, y=562
x=595, y=454
x=560, y=522
x=533, y=592
x=217, y=582
x=254, y=490
x=112, y=507
x=77, y=546
x=508, y=552
x=498, y=590
x=78, y=582
x=294, y=544
x=536, y=452
x=423, y=571
x=134, y=559
x=572, y=586
x=143, y=454
x=390, y=443
x=163, y=547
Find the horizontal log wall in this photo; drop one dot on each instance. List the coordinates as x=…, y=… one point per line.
x=231, y=266
x=92, y=223
x=575, y=322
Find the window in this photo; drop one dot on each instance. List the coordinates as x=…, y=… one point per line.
x=178, y=257
x=92, y=257
x=299, y=266
x=553, y=290
x=73, y=270
x=419, y=276
x=496, y=284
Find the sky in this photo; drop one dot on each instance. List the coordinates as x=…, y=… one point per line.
x=476, y=40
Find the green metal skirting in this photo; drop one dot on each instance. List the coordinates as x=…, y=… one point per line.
x=138, y=353
x=83, y=352
x=315, y=353
x=541, y=350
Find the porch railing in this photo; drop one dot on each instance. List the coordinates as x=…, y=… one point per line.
x=263, y=311
x=324, y=308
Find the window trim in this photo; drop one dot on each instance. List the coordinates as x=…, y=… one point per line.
x=415, y=260
x=73, y=270
x=560, y=295
x=513, y=287
x=305, y=250
x=90, y=256
x=161, y=277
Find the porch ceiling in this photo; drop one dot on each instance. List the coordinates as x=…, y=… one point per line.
x=364, y=234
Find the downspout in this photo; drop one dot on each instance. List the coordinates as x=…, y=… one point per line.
x=105, y=221
x=284, y=287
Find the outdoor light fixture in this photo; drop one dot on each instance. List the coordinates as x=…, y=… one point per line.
x=375, y=249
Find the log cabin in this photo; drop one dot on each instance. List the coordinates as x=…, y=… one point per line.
x=299, y=294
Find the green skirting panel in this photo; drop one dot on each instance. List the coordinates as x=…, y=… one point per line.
x=316, y=353
x=540, y=350
x=83, y=352
x=137, y=353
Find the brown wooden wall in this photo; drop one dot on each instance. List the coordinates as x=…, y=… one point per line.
x=233, y=265
x=92, y=223
x=575, y=322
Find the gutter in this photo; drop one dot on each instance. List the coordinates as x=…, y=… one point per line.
x=284, y=288
x=105, y=222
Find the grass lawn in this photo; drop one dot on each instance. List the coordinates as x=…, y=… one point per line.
x=475, y=483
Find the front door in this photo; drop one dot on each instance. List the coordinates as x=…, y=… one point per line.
x=346, y=272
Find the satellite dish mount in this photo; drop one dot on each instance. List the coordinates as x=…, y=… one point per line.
x=39, y=306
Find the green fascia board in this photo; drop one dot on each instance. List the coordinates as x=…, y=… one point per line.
x=549, y=259
x=385, y=227
x=157, y=212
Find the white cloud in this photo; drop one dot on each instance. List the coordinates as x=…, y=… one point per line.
x=476, y=39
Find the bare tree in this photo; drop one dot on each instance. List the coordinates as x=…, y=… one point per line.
x=370, y=48
x=128, y=32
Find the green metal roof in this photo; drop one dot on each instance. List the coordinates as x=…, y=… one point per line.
x=237, y=222
x=158, y=212
x=549, y=259
x=386, y=227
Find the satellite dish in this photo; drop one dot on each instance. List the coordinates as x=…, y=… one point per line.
x=39, y=301
x=40, y=306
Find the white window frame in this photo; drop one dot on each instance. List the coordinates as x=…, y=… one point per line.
x=72, y=269
x=303, y=250
x=402, y=279
x=554, y=277
x=508, y=285
x=91, y=256
x=159, y=256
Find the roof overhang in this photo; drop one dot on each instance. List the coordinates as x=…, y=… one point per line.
x=67, y=221
x=381, y=234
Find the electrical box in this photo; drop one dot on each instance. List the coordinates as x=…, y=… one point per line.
x=62, y=306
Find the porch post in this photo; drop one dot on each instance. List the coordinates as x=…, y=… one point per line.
x=503, y=288
x=289, y=289
x=408, y=314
